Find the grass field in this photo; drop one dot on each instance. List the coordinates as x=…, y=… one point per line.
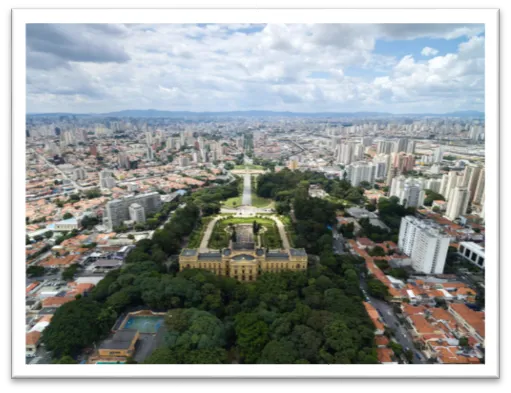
x=233, y=202
x=250, y=166
x=258, y=201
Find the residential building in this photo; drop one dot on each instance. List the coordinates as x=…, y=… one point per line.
x=471, y=179
x=426, y=245
x=458, y=203
x=361, y=171
x=384, y=147
x=106, y=179
x=438, y=154
x=137, y=213
x=479, y=191
x=79, y=174
x=66, y=225
x=184, y=161
x=473, y=321
x=117, y=210
x=472, y=252
x=150, y=153
x=32, y=342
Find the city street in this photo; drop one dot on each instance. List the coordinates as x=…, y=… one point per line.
x=338, y=242
x=401, y=333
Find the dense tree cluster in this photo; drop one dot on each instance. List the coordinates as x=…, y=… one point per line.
x=432, y=196
x=208, y=199
x=283, y=318
x=315, y=316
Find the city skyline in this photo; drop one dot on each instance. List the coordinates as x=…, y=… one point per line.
x=398, y=68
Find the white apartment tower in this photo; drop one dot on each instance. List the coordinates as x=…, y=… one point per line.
x=458, y=203
x=117, y=210
x=106, y=179
x=471, y=179
x=137, y=213
x=149, y=138
x=479, y=192
x=361, y=171
x=150, y=153
x=438, y=154
x=425, y=244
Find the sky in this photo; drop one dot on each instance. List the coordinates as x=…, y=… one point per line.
x=397, y=68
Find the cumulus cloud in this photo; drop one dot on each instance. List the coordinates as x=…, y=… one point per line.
x=61, y=44
x=92, y=67
x=427, y=51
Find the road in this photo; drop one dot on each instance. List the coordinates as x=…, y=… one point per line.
x=246, y=199
x=338, y=242
x=282, y=232
x=386, y=312
x=207, y=233
x=75, y=184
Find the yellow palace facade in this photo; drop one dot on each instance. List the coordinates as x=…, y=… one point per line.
x=243, y=261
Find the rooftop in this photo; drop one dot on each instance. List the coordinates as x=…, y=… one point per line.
x=122, y=339
x=210, y=255
x=189, y=252
x=297, y=252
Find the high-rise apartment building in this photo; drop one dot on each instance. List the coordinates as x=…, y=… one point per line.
x=359, y=172
x=471, y=178
x=479, y=191
x=438, y=154
x=79, y=174
x=400, y=145
x=117, y=211
x=384, y=147
x=426, y=245
x=106, y=179
x=137, y=213
x=458, y=203
x=150, y=153
x=409, y=191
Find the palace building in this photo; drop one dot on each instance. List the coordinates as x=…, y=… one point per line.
x=243, y=261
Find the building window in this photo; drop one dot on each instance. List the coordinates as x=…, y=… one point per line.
x=188, y=266
x=298, y=266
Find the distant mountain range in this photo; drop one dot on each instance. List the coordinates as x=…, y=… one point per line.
x=257, y=113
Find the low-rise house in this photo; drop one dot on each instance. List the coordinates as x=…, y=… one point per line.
x=381, y=341
x=385, y=356
x=375, y=318
x=60, y=262
x=56, y=301
x=421, y=326
x=472, y=321
x=32, y=340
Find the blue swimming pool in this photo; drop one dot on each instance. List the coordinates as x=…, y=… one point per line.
x=144, y=324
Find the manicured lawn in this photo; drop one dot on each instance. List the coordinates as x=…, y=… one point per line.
x=258, y=201
x=249, y=167
x=233, y=202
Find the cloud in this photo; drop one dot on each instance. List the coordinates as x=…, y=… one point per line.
x=427, y=51
x=97, y=68
x=61, y=44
